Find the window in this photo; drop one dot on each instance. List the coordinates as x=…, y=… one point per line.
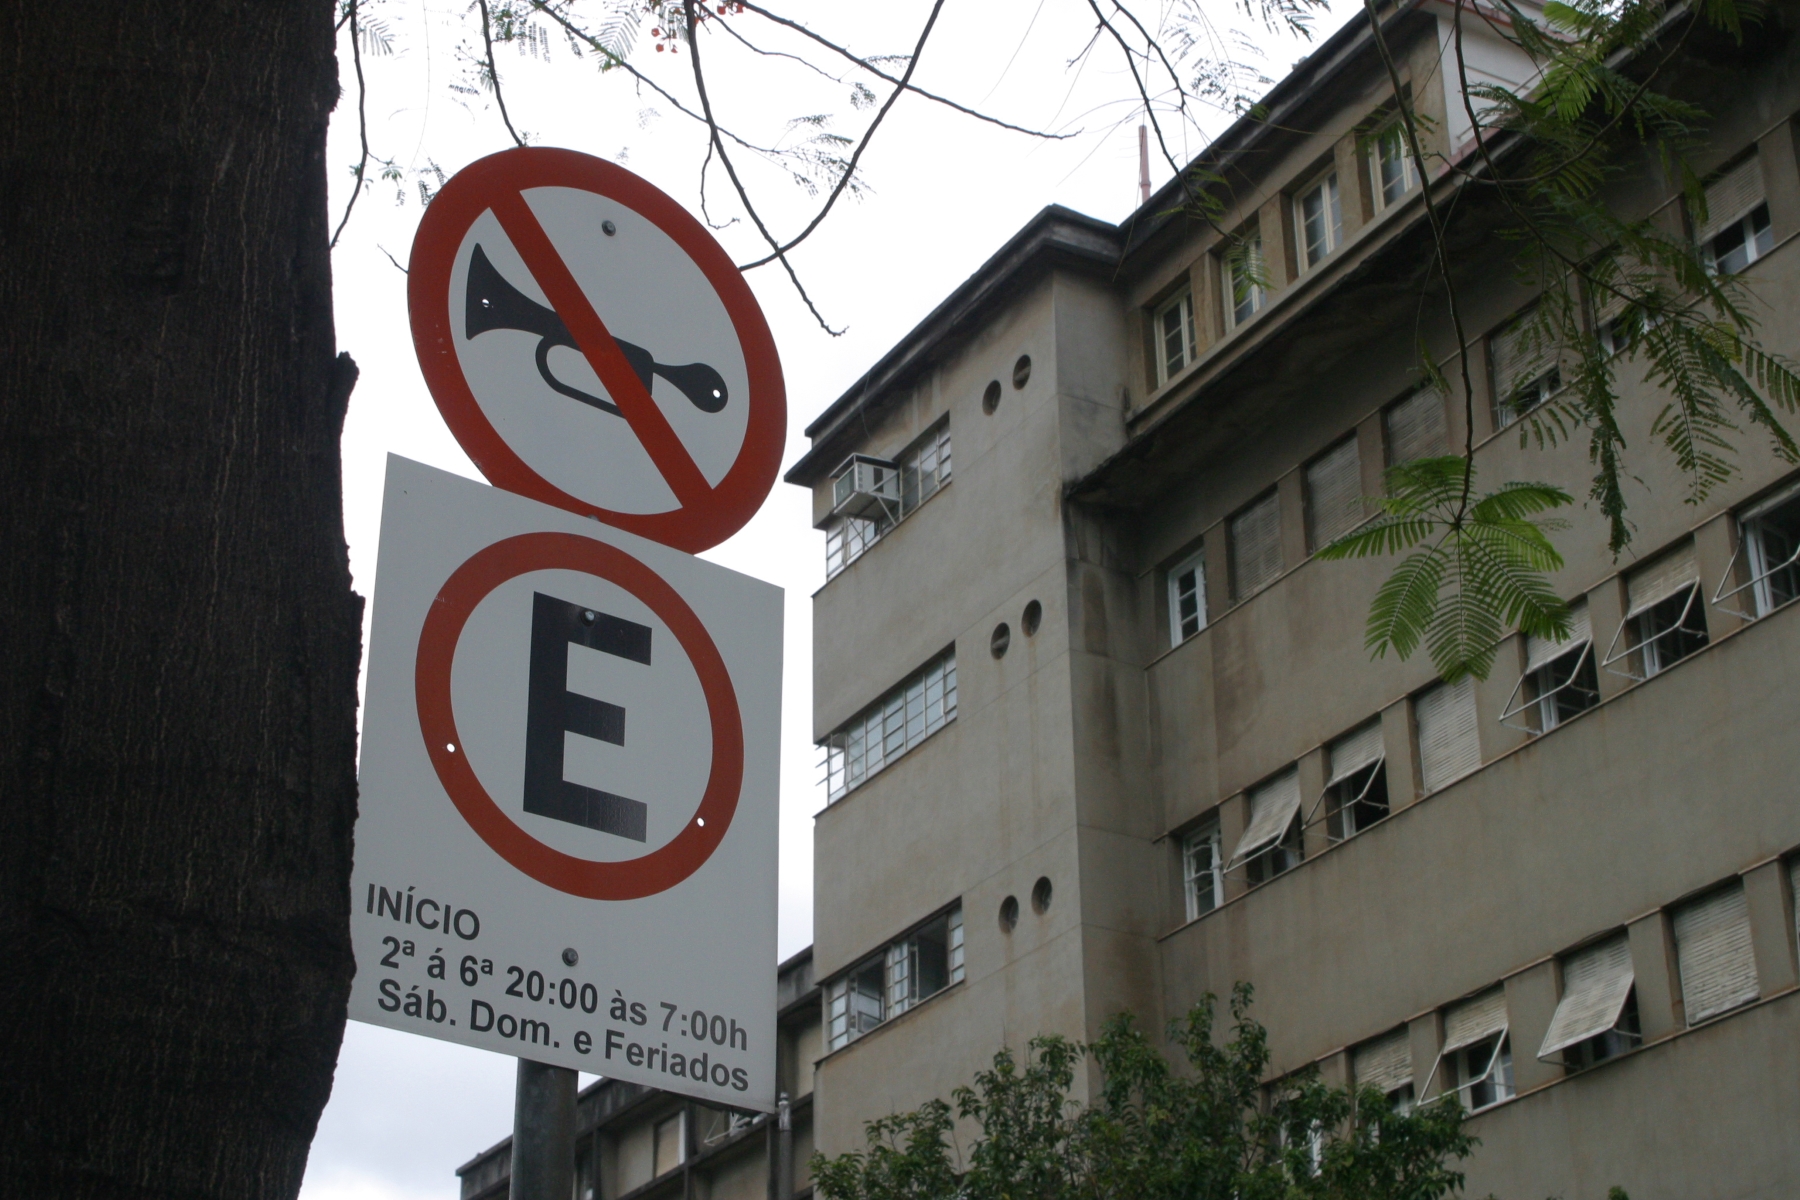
x=1713, y=953
x=1271, y=842
x=871, y=496
x=670, y=1144
x=1172, y=326
x=1477, y=1051
x=715, y=1125
x=1318, y=220
x=1391, y=166
x=1522, y=360
x=1202, y=870
x=1769, y=540
x=1449, y=742
x=1794, y=892
x=1596, y=1018
x=1334, y=504
x=1385, y=1064
x=1664, y=621
x=1187, y=597
x=1242, y=271
x=1736, y=231
x=1356, y=792
x=1415, y=427
x=1560, y=678
x=886, y=984
x=920, y=706
x=1255, y=544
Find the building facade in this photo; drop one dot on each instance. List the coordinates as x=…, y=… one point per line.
x=1100, y=732
x=642, y=1143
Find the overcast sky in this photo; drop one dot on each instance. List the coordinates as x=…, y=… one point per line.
x=942, y=194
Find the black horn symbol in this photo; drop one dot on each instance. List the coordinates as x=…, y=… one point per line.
x=494, y=303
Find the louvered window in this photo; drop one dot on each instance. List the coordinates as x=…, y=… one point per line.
x=1385, y=1064
x=1713, y=952
x=1664, y=619
x=1477, y=1050
x=1242, y=271
x=1596, y=1018
x=1736, y=231
x=1449, y=742
x=888, y=983
x=1172, y=325
x=1271, y=842
x=1318, y=220
x=1356, y=791
x=1560, y=677
x=1202, y=870
x=1333, y=494
x=1523, y=361
x=1255, y=543
x=921, y=705
x=1187, y=597
x=1415, y=428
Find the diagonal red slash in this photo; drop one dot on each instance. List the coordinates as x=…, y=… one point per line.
x=597, y=346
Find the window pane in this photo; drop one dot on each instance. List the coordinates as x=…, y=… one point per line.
x=917, y=707
x=1187, y=598
x=1772, y=543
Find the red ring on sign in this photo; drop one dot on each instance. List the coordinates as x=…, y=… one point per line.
x=447, y=220
x=629, y=879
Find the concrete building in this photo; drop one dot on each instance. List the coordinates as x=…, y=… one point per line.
x=1102, y=734
x=641, y=1143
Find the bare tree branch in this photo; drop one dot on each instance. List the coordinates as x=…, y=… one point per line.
x=362, y=123
x=868, y=134
x=876, y=71
x=744, y=196
x=1409, y=126
x=494, y=73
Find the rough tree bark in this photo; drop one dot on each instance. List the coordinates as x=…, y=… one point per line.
x=178, y=638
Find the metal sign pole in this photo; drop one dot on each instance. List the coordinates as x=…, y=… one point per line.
x=543, y=1145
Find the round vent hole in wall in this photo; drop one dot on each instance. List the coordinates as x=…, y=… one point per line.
x=990, y=399
x=1040, y=895
x=1000, y=641
x=1022, y=371
x=1031, y=618
x=1009, y=914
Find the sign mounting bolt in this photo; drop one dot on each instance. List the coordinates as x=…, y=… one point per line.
x=608, y=228
x=570, y=958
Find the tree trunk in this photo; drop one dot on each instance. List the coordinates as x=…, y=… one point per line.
x=178, y=638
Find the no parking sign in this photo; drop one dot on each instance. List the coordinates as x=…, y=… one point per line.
x=567, y=839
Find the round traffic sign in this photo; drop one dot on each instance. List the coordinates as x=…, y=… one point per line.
x=593, y=347
x=628, y=879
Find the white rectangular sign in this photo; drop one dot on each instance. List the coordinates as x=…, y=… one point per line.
x=566, y=847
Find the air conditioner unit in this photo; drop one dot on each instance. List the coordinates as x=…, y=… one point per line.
x=865, y=486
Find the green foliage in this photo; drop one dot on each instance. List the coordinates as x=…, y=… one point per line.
x=1211, y=1129
x=1477, y=568
x=1611, y=292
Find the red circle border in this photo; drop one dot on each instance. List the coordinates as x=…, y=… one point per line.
x=629, y=879
x=447, y=219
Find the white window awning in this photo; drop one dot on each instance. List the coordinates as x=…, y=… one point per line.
x=1655, y=583
x=1354, y=751
x=1541, y=652
x=1596, y=983
x=1272, y=809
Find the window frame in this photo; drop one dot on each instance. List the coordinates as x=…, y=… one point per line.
x=1209, y=834
x=899, y=963
x=850, y=536
x=1409, y=173
x=1643, y=647
x=1540, y=704
x=1544, y=384
x=1182, y=303
x=867, y=735
x=1757, y=239
x=1325, y=185
x=1194, y=563
x=1314, y=543
x=1256, y=296
x=1748, y=523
